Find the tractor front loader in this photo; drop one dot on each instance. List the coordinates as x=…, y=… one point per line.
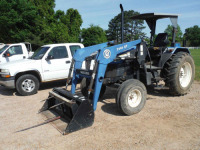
x=131, y=66
x=78, y=112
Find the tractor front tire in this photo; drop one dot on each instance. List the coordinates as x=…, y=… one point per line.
x=27, y=85
x=131, y=97
x=179, y=72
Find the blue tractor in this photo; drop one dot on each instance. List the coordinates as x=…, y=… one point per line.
x=131, y=65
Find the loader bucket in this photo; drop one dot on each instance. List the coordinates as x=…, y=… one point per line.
x=76, y=112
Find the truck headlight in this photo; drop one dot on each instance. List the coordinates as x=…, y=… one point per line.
x=5, y=73
x=4, y=70
x=5, y=76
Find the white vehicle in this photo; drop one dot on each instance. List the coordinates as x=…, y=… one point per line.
x=1, y=45
x=48, y=63
x=12, y=52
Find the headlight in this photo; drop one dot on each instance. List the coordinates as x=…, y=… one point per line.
x=5, y=73
x=4, y=70
x=5, y=76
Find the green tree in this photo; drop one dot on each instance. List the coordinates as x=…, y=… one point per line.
x=192, y=35
x=37, y=22
x=64, y=27
x=45, y=16
x=17, y=19
x=179, y=33
x=93, y=35
x=56, y=31
x=74, y=22
x=132, y=28
x=45, y=9
x=44, y=28
x=59, y=28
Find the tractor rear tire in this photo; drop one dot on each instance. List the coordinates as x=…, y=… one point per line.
x=179, y=72
x=131, y=97
x=84, y=89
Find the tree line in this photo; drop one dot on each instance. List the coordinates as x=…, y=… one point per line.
x=37, y=22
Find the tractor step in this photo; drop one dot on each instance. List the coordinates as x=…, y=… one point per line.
x=161, y=87
x=158, y=78
x=153, y=67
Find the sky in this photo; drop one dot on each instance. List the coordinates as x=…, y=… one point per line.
x=100, y=12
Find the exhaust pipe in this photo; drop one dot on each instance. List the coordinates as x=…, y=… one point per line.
x=122, y=23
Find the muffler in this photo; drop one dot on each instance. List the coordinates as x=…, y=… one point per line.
x=75, y=112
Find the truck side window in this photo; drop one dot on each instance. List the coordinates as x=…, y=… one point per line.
x=15, y=50
x=59, y=52
x=73, y=48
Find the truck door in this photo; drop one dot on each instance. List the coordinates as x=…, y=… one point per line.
x=13, y=53
x=56, y=65
x=2, y=50
x=73, y=49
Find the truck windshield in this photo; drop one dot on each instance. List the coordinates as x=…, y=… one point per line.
x=3, y=49
x=39, y=53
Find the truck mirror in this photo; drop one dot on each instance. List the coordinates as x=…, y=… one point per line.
x=6, y=54
x=49, y=57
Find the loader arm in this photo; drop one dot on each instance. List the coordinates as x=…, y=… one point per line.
x=80, y=56
x=105, y=56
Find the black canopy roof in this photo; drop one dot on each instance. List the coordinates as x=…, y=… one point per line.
x=151, y=19
x=155, y=16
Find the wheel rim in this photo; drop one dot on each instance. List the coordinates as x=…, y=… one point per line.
x=185, y=74
x=28, y=85
x=134, y=98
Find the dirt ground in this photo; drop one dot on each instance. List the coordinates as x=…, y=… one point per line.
x=165, y=122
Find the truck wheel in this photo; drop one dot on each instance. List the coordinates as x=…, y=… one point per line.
x=180, y=73
x=27, y=85
x=131, y=97
x=84, y=89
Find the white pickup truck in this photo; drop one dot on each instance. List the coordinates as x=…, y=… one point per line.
x=48, y=63
x=12, y=52
x=1, y=45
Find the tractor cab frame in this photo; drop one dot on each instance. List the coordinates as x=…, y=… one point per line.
x=151, y=19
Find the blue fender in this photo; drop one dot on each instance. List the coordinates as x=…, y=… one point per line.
x=181, y=49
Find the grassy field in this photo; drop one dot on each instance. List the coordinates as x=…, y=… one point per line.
x=196, y=56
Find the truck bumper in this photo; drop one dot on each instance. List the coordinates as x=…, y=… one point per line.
x=8, y=82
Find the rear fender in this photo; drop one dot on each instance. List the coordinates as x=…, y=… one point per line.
x=168, y=54
x=181, y=49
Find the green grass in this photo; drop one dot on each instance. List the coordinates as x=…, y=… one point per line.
x=196, y=56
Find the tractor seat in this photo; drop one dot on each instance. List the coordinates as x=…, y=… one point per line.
x=161, y=40
x=159, y=46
